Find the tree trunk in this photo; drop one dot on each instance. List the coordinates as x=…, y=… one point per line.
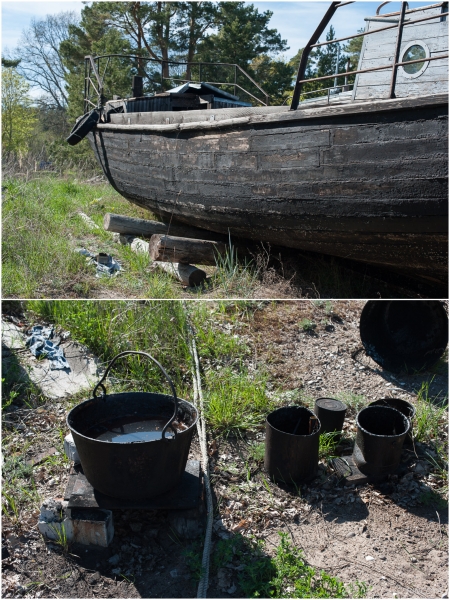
x=178, y=249
x=186, y=274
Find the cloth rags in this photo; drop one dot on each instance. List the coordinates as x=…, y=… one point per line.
x=110, y=268
x=40, y=345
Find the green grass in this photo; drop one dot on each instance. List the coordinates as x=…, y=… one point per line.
x=328, y=443
x=431, y=420
x=256, y=451
x=235, y=398
x=236, y=401
x=42, y=230
x=285, y=575
x=429, y=416
x=235, y=278
x=355, y=402
x=18, y=488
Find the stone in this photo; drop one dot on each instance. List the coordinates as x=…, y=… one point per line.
x=84, y=526
x=70, y=449
x=12, y=336
x=24, y=367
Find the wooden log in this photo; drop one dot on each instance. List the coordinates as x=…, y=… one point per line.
x=132, y=226
x=169, y=248
x=186, y=274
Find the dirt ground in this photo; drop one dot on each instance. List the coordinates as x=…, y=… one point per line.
x=393, y=535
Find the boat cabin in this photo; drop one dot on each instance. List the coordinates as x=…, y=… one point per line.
x=419, y=40
x=404, y=54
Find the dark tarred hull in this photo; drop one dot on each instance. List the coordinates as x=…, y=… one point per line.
x=368, y=184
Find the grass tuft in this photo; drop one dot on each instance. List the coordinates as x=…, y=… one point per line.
x=285, y=575
x=236, y=401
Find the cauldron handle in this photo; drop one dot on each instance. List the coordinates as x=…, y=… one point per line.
x=172, y=387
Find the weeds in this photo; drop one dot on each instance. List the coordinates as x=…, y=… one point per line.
x=61, y=538
x=18, y=489
x=236, y=401
x=352, y=400
x=9, y=507
x=285, y=575
x=42, y=230
x=327, y=444
x=235, y=279
x=256, y=451
x=307, y=325
x=429, y=417
x=193, y=560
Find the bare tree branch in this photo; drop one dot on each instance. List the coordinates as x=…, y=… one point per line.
x=41, y=62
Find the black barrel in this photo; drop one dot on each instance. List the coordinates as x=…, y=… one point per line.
x=331, y=414
x=380, y=434
x=134, y=469
x=404, y=334
x=406, y=408
x=292, y=444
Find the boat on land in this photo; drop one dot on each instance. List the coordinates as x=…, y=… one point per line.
x=356, y=171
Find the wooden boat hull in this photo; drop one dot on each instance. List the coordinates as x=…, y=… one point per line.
x=367, y=182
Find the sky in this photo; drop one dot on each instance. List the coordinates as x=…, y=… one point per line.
x=295, y=21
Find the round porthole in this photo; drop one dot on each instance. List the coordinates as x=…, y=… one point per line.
x=414, y=51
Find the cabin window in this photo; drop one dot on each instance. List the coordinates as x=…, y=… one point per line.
x=414, y=51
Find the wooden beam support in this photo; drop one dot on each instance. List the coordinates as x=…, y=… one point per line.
x=142, y=227
x=169, y=248
x=186, y=274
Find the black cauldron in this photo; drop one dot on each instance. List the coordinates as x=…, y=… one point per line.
x=133, y=445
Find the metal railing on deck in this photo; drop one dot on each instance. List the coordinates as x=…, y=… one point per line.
x=400, y=24
x=95, y=73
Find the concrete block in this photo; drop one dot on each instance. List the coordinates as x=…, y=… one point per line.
x=70, y=449
x=54, y=520
x=86, y=526
x=92, y=526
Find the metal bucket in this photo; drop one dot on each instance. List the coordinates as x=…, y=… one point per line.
x=406, y=408
x=331, y=414
x=404, y=334
x=292, y=444
x=156, y=432
x=381, y=431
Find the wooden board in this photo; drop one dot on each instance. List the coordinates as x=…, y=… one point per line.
x=379, y=49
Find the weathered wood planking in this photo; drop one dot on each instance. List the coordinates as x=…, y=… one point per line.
x=379, y=49
x=369, y=185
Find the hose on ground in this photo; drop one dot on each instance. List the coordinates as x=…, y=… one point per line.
x=201, y=428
